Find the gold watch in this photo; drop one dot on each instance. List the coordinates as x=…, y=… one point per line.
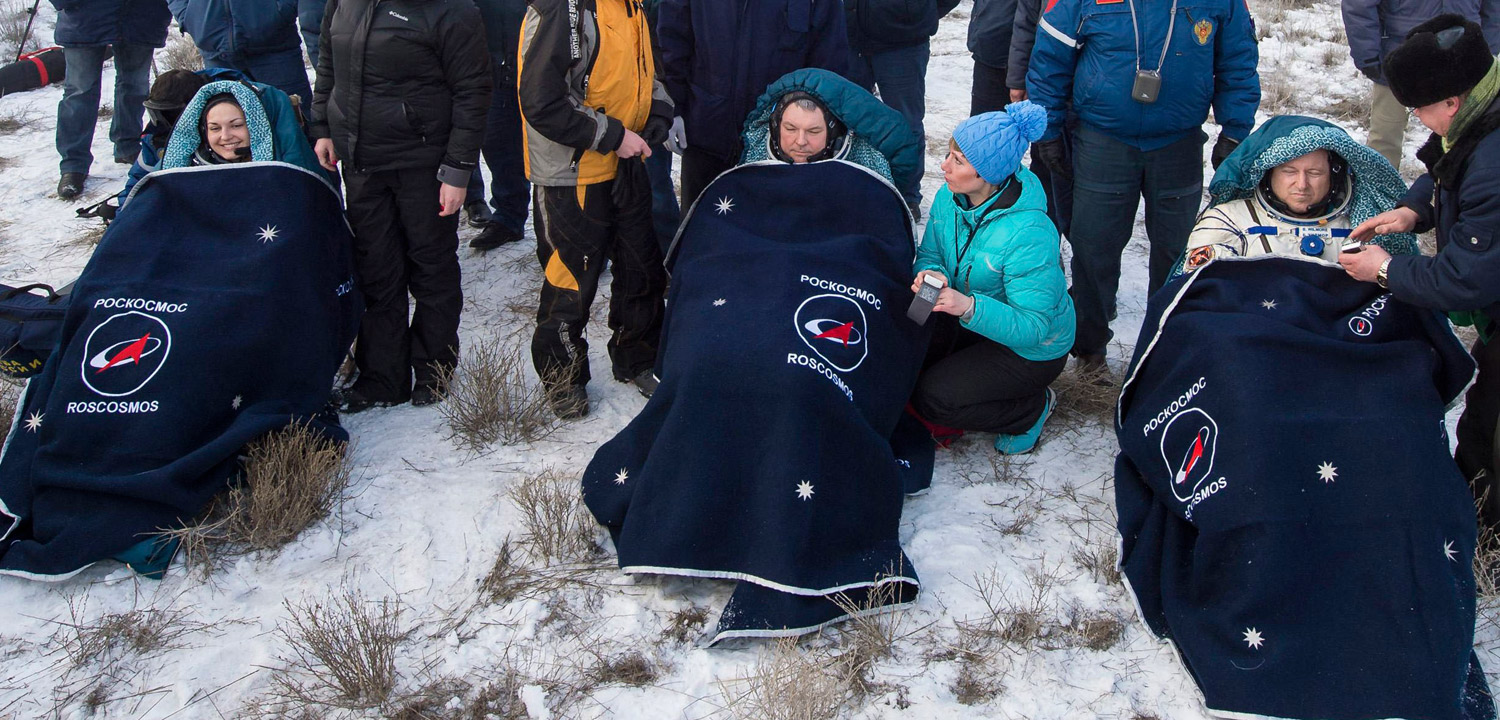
x=1382, y=276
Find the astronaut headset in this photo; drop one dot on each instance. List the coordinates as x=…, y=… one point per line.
x=1339, y=186
x=837, y=133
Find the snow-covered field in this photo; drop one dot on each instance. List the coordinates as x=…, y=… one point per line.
x=1020, y=614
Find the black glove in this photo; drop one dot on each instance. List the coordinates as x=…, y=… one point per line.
x=1222, y=148
x=1054, y=155
x=1373, y=72
x=655, y=132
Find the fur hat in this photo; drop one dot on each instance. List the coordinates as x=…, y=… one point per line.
x=1441, y=58
x=994, y=142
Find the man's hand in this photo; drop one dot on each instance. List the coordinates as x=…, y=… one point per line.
x=1373, y=72
x=329, y=159
x=450, y=198
x=1364, y=264
x=632, y=145
x=916, y=283
x=1017, y=94
x=677, y=137
x=953, y=302
x=1055, y=157
x=1391, y=221
x=1223, y=148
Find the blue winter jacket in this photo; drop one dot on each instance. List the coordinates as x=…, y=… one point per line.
x=718, y=56
x=1459, y=197
x=1007, y=260
x=91, y=23
x=1376, y=27
x=879, y=25
x=991, y=23
x=1086, y=49
x=228, y=29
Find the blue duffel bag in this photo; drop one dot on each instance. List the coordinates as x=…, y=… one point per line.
x=29, y=327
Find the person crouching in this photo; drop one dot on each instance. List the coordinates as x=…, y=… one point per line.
x=1006, y=321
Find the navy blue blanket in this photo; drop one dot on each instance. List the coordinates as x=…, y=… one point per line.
x=217, y=307
x=785, y=364
x=1291, y=518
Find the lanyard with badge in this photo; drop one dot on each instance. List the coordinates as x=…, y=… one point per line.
x=1148, y=82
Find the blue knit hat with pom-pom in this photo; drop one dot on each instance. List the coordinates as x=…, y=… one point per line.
x=995, y=141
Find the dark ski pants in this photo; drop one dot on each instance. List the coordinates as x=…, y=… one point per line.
x=579, y=230
x=699, y=168
x=1476, y=432
x=402, y=246
x=971, y=382
x=1109, y=179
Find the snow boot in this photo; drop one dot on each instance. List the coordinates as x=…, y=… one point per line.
x=1026, y=441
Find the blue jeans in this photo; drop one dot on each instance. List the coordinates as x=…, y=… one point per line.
x=78, y=111
x=510, y=192
x=665, y=214
x=901, y=76
x=1110, y=177
x=282, y=70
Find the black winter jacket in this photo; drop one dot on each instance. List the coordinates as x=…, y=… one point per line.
x=403, y=84
x=879, y=25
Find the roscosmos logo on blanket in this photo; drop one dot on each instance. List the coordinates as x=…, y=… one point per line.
x=834, y=327
x=1187, y=446
x=124, y=352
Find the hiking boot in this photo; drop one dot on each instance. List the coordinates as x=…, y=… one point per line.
x=645, y=382
x=357, y=402
x=1026, y=441
x=494, y=235
x=570, y=402
x=424, y=395
x=70, y=185
x=478, y=213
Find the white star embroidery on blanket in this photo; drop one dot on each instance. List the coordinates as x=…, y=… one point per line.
x=33, y=421
x=622, y=476
x=268, y=233
x=724, y=205
x=1253, y=638
x=1268, y=304
x=1327, y=472
x=804, y=490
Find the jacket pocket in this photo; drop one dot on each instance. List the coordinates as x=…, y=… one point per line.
x=1471, y=237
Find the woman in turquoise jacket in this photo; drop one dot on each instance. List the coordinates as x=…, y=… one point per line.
x=1004, y=318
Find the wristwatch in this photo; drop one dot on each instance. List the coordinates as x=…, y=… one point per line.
x=1382, y=276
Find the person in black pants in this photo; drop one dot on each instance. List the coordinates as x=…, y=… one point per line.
x=400, y=100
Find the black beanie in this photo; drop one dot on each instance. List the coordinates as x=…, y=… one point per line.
x=1441, y=58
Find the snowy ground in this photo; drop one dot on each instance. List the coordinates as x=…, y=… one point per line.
x=997, y=546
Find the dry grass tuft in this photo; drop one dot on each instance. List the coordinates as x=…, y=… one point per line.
x=179, y=54
x=14, y=120
x=1101, y=559
x=14, y=16
x=788, y=684
x=87, y=239
x=632, y=668
x=342, y=651
x=1085, y=399
x=111, y=636
x=974, y=685
x=491, y=397
x=455, y=699
x=293, y=479
x=106, y=111
x=556, y=525
x=1098, y=631
x=687, y=624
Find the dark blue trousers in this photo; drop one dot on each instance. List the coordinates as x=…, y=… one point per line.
x=510, y=193
x=901, y=77
x=1109, y=181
